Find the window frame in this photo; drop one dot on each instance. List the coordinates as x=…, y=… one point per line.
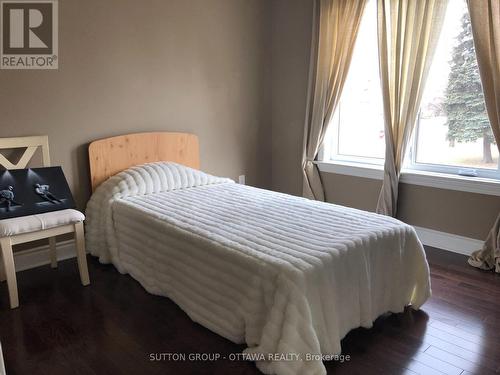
x=329, y=153
x=475, y=185
x=411, y=163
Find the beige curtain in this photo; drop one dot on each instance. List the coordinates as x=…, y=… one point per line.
x=335, y=27
x=485, y=21
x=408, y=31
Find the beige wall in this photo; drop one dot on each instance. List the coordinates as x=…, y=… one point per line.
x=291, y=37
x=132, y=66
x=451, y=211
x=465, y=214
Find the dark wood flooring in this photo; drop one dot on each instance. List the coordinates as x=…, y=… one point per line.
x=112, y=327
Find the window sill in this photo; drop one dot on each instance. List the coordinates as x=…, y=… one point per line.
x=414, y=177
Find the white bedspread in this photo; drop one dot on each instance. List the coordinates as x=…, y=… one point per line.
x=282, y=274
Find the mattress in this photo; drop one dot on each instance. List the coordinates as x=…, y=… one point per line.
x=282, y=274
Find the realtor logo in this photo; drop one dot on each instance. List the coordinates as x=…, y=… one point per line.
x=29, y=34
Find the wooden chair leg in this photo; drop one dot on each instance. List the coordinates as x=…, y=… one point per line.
x=81, y=255
x=2, y=269
x=10, y=270
x=53, y=252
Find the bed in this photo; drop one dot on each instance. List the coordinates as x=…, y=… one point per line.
x=287, y=276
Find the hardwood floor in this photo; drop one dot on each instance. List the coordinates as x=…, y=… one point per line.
x=113, y=326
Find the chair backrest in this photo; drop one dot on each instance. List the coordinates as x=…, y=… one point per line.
x=31, y=144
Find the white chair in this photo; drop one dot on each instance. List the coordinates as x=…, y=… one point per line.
x=2, y=365
x=35, y=227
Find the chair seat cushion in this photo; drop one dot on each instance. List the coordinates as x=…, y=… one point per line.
x=33, y=223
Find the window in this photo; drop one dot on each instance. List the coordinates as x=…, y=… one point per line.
x=452, y=134
x=357, y=131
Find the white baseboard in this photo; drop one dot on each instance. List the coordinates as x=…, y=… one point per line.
x=39, y=256
x=447, y=241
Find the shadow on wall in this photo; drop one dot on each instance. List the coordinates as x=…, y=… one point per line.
x=81, y=183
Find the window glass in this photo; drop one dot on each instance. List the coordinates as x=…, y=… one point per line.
x=453, y=127
x=358, y=122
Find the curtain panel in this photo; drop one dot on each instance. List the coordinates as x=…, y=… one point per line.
x=485, y=21
x=335, y=27
x=408, y=31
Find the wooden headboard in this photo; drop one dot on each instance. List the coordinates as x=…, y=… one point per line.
x=109, y=156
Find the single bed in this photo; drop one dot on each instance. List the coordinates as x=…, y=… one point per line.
x=288, y=276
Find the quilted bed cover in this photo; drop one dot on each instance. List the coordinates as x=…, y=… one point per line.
x=282, y=274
